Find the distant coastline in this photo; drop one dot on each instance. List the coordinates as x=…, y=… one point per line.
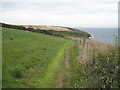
x=105, y=35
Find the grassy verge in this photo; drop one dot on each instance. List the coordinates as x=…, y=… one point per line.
x=74, y=65
x=31, y=59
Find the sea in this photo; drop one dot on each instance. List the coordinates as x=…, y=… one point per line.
x=105, y=35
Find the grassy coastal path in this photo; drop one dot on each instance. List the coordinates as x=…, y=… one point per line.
x=53, y=70
x=64, y=78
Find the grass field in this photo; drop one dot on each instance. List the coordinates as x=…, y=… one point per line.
x=31, y=59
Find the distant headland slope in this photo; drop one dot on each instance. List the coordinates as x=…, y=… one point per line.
x=56, y=28
x=51, y=30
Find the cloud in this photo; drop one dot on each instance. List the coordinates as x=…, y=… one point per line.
x=59, y=1
x=61, y=12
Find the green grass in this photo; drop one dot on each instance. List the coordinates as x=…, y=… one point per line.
x=74, y=66
x=31, y=59
x=48, y=79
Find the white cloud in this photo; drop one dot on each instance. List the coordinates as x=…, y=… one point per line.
x=60, y=0
x=73, y=13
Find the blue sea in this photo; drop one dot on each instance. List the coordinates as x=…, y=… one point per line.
x=105, y=35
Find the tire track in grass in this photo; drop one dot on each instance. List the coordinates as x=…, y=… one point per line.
x=65, y=74
x=51, y=73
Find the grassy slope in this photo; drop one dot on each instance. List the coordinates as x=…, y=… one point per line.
x=74, y=66
x=31, y=59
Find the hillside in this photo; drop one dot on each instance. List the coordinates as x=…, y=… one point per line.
x=28, y=56
x=50, y=30
x=55, y=28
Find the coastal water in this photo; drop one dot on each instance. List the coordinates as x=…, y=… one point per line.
x=106, y=35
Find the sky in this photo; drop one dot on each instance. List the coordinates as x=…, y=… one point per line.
x=74, y=13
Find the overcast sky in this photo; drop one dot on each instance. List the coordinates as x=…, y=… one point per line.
x=74, y=13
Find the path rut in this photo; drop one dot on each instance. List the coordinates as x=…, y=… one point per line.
x=65, y=74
